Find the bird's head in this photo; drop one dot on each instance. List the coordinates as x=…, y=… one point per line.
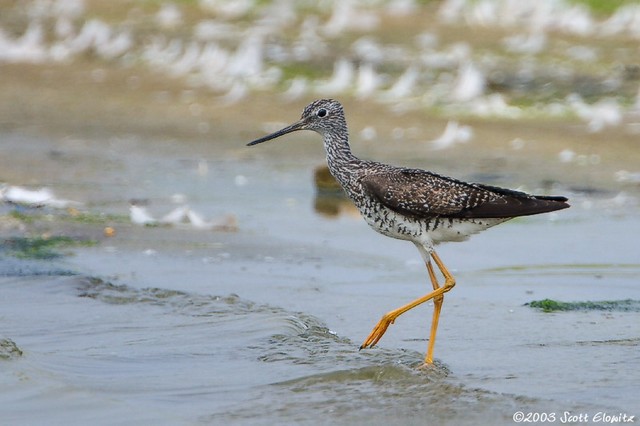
x=322, y=116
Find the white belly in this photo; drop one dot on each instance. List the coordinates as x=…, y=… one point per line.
x=430, y=231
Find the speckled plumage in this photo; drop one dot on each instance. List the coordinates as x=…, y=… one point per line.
x=412, y=204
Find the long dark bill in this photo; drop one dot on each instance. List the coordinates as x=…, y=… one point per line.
x=295, y=126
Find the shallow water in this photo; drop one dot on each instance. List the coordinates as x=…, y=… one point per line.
x=174, y=325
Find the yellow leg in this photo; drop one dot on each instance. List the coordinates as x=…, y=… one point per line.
x=437, y=307
x=437, y=294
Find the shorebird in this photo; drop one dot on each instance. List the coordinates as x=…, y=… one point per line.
x=413, y=204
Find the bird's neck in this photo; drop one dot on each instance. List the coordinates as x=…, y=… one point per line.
x=340, y=159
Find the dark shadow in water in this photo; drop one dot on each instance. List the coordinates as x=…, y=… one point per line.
x=11, y=266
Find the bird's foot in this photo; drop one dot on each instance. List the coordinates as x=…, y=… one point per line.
x=433, y=368
x=426, y=365
x=378, y=331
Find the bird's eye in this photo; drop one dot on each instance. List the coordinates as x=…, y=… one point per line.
x=321, y=113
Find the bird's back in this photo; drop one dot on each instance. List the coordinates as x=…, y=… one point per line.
x=416, y=204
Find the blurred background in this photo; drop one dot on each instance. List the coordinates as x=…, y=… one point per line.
x=488, y=82
x=497, y=91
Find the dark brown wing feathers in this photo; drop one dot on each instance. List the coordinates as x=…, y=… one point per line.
x=420, y=193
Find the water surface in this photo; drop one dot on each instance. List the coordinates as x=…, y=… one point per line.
x=175, y=325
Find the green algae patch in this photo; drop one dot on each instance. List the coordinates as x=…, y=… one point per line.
x=9, y=350
x=550, y=305
x=96, y=218
x=72, y=216
x=605, y=7
x=42, y=248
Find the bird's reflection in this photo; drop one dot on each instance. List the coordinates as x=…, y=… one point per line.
x=330, y=200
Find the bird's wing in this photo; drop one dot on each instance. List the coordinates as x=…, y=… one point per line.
x=420, y=193
x=424, y=194
x=512, y=203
